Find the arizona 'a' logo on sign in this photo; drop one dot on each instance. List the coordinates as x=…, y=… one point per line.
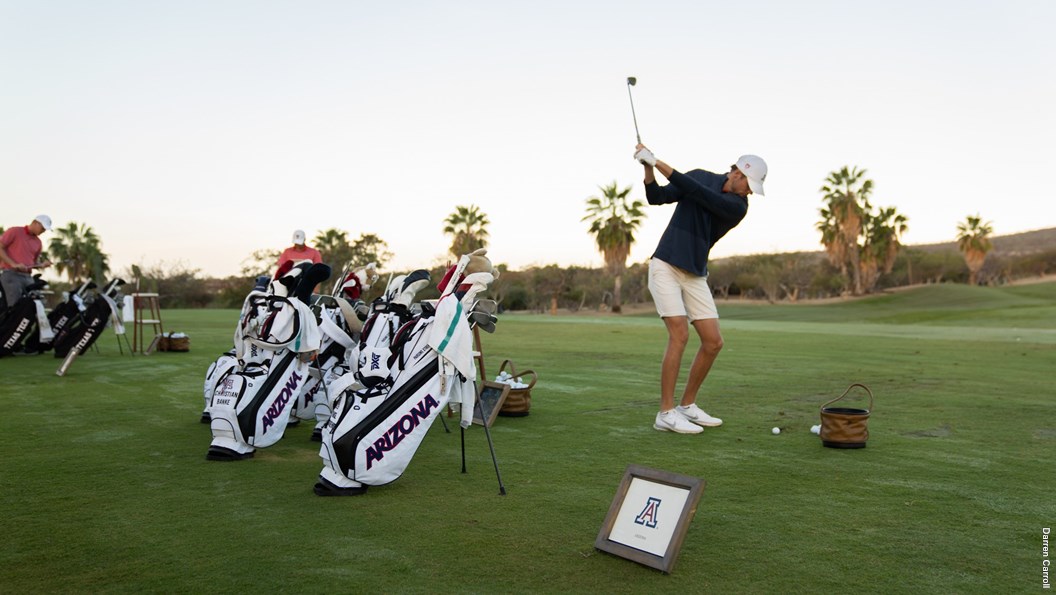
x=648, y=516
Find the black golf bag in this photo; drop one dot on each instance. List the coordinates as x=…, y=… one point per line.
x=25, y=325
x=274, y=341
x=374, y=431
x=66, y=313
x=86, y=326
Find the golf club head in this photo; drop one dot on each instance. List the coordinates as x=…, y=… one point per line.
x=632, y=81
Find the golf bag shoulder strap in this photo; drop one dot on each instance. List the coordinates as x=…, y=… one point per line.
x=400, y=340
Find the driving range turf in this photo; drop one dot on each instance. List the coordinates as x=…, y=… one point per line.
x=105, y=486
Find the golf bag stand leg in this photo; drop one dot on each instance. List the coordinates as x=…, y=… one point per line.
x=495, y=461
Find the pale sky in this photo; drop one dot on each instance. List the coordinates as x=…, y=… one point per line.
x=199, y=131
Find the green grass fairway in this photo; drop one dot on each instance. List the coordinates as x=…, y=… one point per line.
x=105, y=487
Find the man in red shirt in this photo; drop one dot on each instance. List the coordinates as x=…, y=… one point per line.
x=20, y=248
x=298, y=251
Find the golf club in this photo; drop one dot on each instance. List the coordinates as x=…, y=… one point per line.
x=631, y=81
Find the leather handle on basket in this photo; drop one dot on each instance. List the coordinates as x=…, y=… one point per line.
x=849, y=390
x=513, y=372
x=527, y=372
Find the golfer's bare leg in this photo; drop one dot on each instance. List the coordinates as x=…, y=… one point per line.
x=710, y=345
x=677, y=337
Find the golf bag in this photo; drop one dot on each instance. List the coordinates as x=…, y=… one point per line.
x=85, y=327
x=217, y=370
x=67, y=312
x=387, y=315
x=340, y=318
x=375, y=431
x=25, y=325
x=366, y=362
x=275, y=338
x=338, y=339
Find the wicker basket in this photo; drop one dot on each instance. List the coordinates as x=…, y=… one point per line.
x=845, y=427
x=519, y=401
x=166, y=342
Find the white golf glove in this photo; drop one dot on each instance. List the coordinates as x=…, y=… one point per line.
x=645, y=157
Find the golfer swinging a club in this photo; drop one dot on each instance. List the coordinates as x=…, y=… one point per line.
x=707, y=205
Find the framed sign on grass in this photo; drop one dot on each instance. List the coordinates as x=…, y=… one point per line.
x=490, y=397
x=649, y=516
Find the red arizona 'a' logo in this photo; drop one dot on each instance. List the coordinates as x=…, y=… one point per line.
x=648, y=516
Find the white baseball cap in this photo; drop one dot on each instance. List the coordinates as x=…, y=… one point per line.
x=44, y=220
x=754, y=168
x=298, y=236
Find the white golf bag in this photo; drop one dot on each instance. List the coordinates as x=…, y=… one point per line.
x=375, y=431
x=225, y=364
x=275, y=339
x=387, y=315
x=339, y=335
x=340, y=318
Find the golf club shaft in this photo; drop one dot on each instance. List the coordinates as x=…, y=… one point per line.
x=629, y=96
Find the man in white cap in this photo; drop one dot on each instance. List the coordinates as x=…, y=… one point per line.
x=707, y=206
x=20, y=249
x=298, y=251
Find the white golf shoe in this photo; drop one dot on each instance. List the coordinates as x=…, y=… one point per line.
x=672, y=421
x=696, y=415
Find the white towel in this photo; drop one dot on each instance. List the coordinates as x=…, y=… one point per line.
x=46, y=334
x=330, y=329
x=451, y=336
x=128, y=309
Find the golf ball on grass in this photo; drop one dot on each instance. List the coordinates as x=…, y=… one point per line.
x=815, y=429
x=775, y=431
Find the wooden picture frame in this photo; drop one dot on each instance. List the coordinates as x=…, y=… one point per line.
x=639, y=527
x=490, y=397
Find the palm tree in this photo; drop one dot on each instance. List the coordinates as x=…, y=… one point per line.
x=613, y=221
x=76, y=251
x=846, y=196
x=468, y=228
x=883, y=234
x=333, y=245
x=370, y=248
x=973, y=240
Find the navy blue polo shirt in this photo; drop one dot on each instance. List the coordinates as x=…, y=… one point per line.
x=703, y=214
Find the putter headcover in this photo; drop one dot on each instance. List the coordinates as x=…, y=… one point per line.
x=312, y=276
x=478, y=263
x=291, y=272
x=359, y=281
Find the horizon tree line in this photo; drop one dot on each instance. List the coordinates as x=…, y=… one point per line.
x=859, y=239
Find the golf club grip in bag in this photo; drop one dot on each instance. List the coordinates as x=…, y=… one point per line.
x=251, y=406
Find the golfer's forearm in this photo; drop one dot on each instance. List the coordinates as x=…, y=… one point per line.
x=650, y=176
x=7, y=259
x=664, y=168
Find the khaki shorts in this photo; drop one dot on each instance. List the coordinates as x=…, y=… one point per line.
x=680, y=293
